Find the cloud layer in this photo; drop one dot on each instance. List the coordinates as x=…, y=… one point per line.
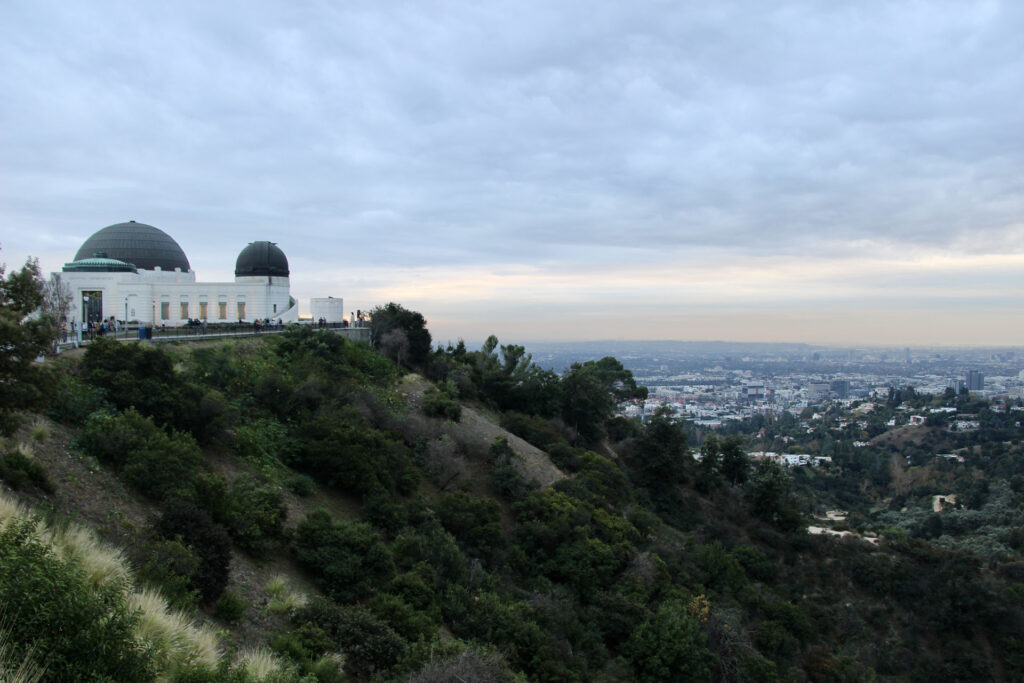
x=644, y=159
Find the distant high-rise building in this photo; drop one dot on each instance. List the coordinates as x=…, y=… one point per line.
x=906, y=352
x=840, y=388
x=975, y=380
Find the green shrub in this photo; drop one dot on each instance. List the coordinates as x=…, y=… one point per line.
x=475, y=522
x=348, y=558
x=230, y=607
x=51, y=610
x=157, y=464
x=440, y=404
x=209, y=541
x=171, y=567
x=73, y=400
x=371, y=647
x=407, y=621
x=256, y=516
x=17, y=468
x=300, y=484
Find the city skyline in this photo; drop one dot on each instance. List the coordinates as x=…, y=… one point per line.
x=794, y=171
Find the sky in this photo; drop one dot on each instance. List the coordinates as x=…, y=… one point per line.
x=821, y=172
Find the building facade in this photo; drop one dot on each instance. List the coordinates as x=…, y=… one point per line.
x=137, y=273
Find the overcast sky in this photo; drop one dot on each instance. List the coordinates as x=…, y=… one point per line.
x=829, y=172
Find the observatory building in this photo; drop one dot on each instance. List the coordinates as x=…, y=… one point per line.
x=137, y=273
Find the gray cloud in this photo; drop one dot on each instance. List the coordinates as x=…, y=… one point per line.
x=514, y=132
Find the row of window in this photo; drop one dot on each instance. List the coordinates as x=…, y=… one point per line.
x=204, y=310
x=184, y=312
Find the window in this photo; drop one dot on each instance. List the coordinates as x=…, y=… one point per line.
x=203, y=312
x=222, y=310
x=241, y=310
x=184, y=310
x=165, y=310
x=275, y=308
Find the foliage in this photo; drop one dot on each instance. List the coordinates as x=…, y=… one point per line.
x=208, y=541
x=669, y=646
x=347, y=558
x=371, y=647
x=256, y=516
x=139, y=377
x=440, y=404
x=17, y=467
x=770, y=496
x=158, y=464
x=392, y=317
x=52, y=613
x=23, y=337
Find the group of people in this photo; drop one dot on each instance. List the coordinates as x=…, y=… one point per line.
x=267, y=324
x=90, y=329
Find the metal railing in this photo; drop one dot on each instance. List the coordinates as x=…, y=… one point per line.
x=210, y=330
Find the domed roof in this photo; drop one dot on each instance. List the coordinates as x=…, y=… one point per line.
x=142, y=245
x=261, y=259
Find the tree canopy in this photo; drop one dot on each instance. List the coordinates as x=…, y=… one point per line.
x=25, y=333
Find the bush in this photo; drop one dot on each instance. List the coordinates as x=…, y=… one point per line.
x=440, y=404
x=209, y=541
x=475, y=522
x=16, y=468
x=256, y=515
x=171, y=567
x=51, y=610
x=157, y=464
x=300, y=484
x=371, y=647
x=348, y=558
x=73, y=400
x=230, y=607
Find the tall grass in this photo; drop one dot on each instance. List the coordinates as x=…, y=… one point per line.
x=25, y=671
x=40, y=431
x=178, y=643
x=260, y=664
x=283, y=598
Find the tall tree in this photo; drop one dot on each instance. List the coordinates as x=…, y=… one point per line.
x=385, y=319
x=25, y=334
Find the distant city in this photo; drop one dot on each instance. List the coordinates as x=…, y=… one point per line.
x=710, y=383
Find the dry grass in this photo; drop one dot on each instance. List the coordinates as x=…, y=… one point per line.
x=176, y=641
x=103, y=564
x=260, y=664
x=40, y=431
x=283, y=598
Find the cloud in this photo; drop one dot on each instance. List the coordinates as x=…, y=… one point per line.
x=527, y=137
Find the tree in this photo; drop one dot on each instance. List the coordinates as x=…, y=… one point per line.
x=662, y=457
x=56, y=298
x=771, y=496
x=25, y=334
x=670, y=646
x=735, y=463
x=385, y=319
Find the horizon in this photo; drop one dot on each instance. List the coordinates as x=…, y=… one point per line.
x=790, y=172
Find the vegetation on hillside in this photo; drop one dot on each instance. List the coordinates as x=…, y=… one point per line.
x=643, y=563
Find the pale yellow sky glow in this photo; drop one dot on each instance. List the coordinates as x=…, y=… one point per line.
x=958, y=299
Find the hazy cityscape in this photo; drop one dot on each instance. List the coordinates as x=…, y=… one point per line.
x=710, y=382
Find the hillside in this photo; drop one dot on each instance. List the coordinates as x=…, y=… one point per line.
x=332, y=513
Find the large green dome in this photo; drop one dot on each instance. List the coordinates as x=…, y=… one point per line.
x=144, y=246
